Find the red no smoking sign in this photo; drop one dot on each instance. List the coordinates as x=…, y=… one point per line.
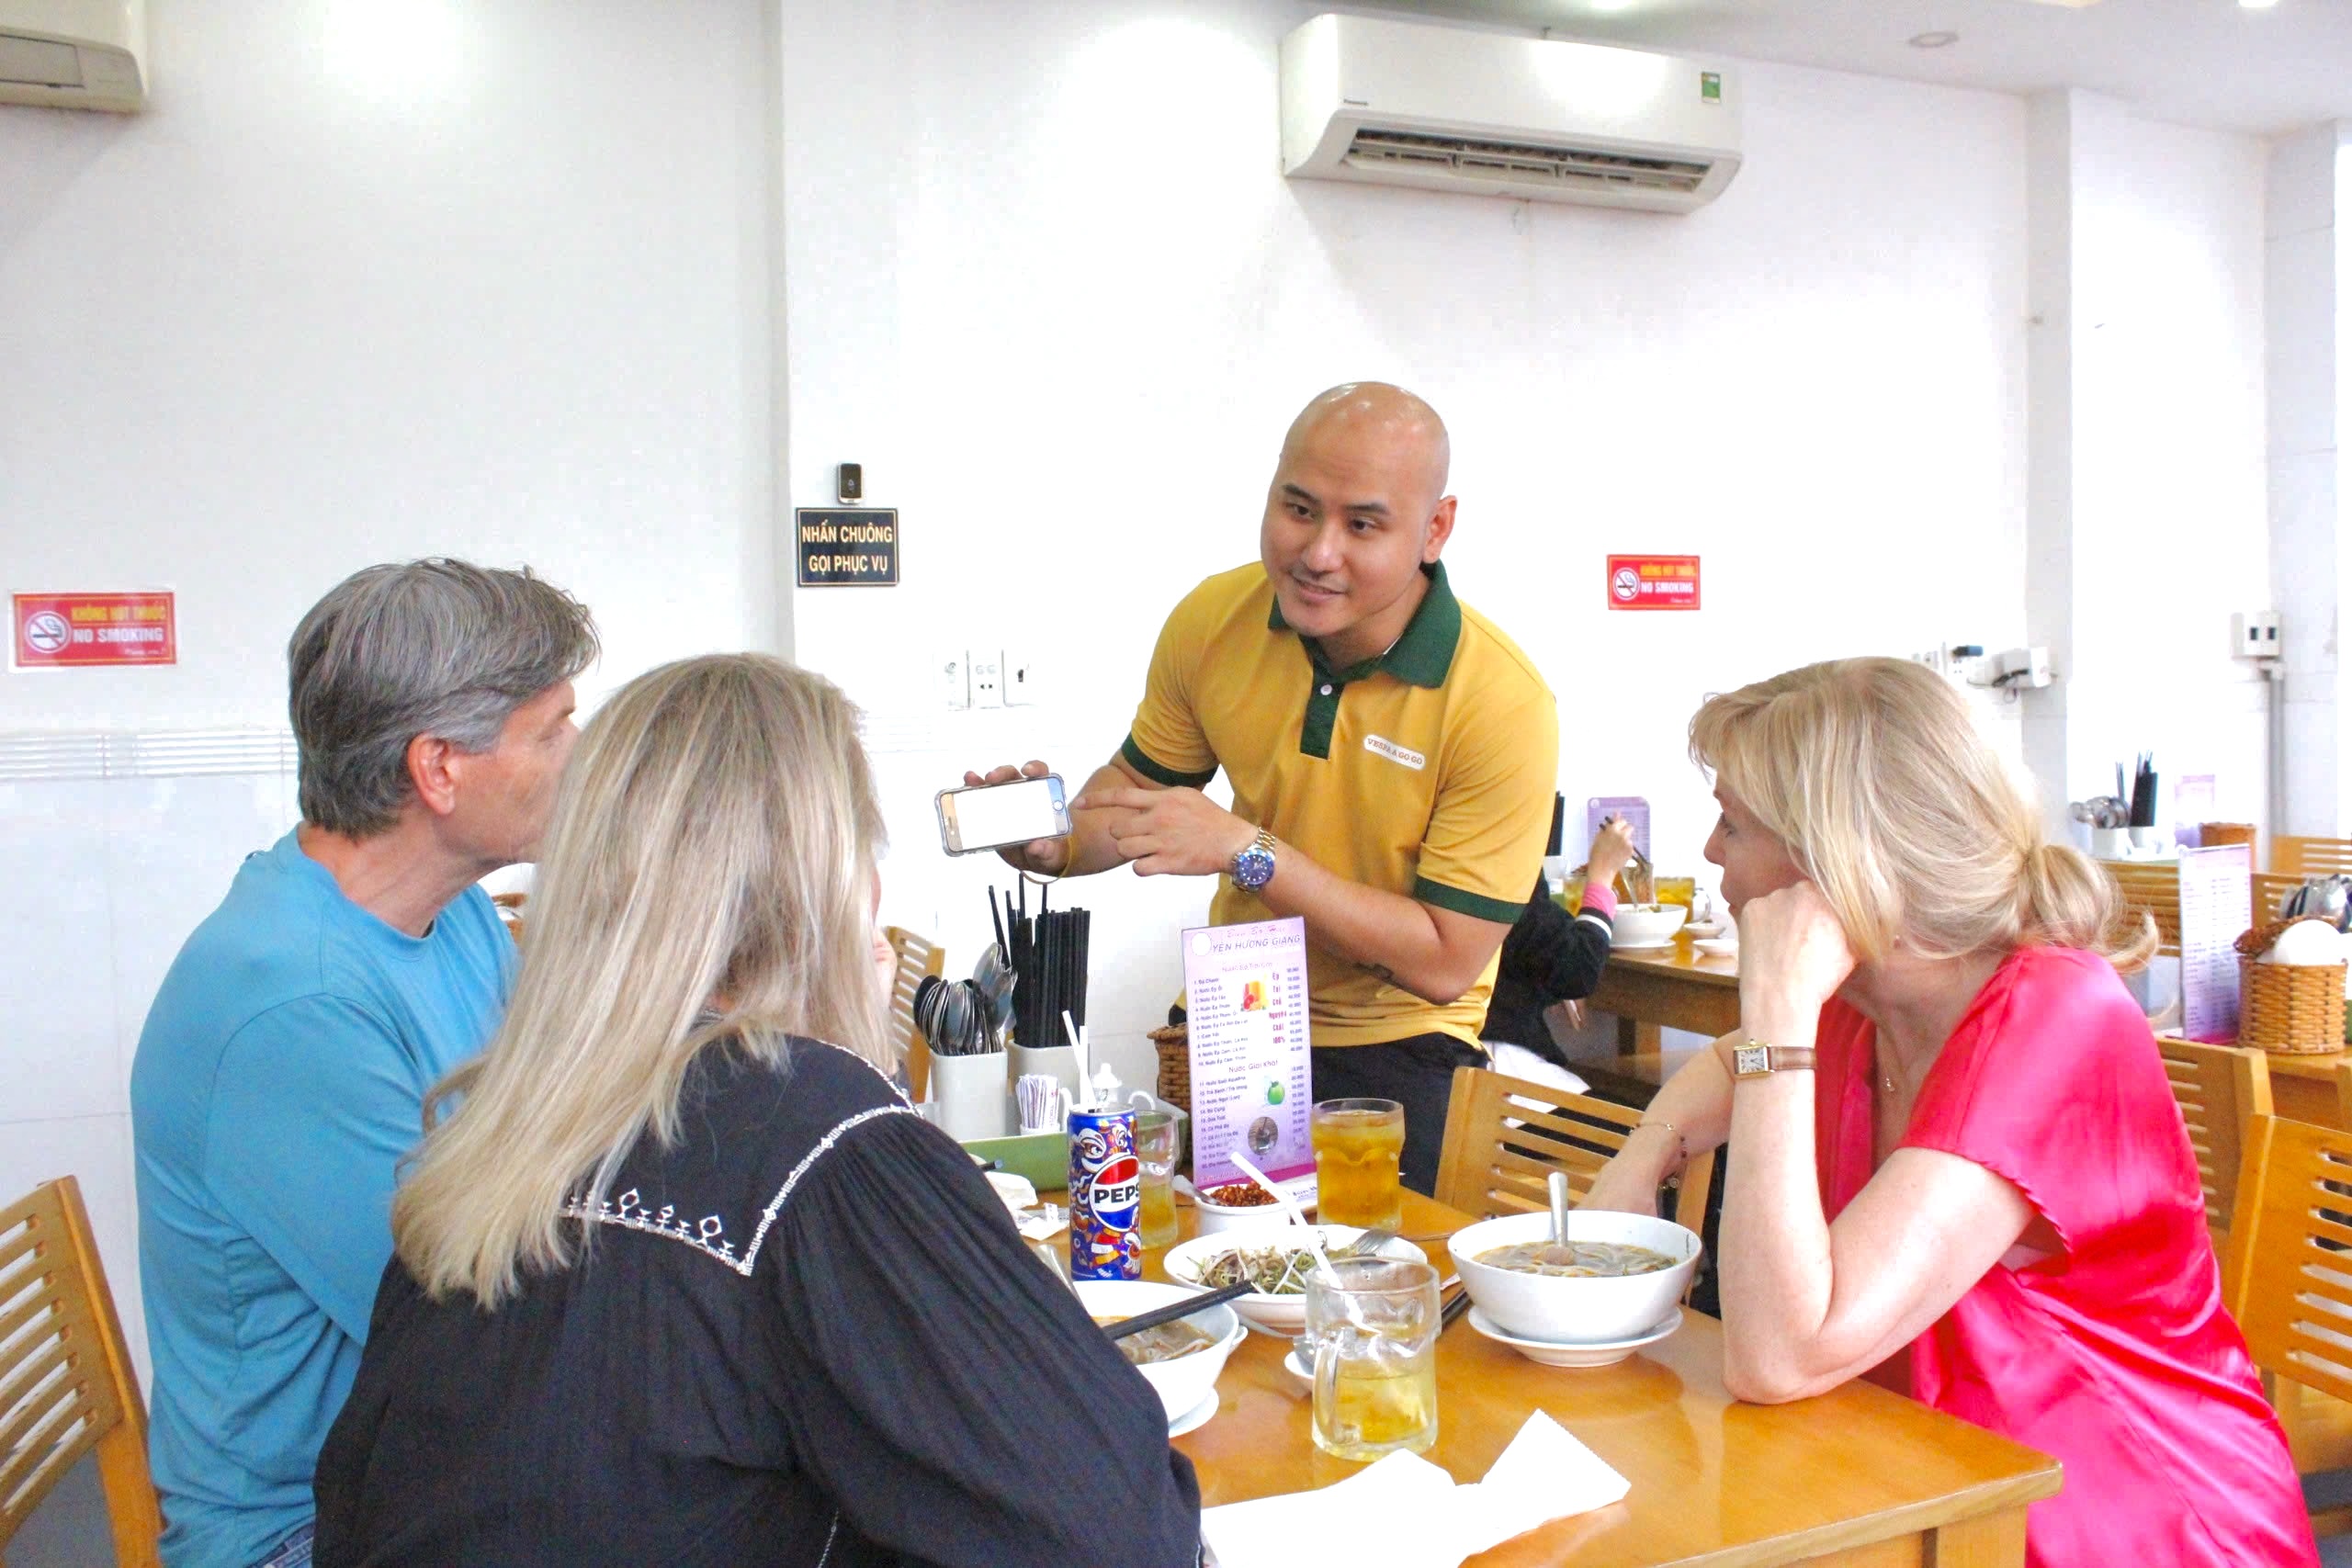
x=62, y=631
x=1653, y=582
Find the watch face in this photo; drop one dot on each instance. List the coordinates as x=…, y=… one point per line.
x=1252, y=869
x=1750, y=1061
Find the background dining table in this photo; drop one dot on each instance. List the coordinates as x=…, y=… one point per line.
x=1858, y=1476
x=1674, y=986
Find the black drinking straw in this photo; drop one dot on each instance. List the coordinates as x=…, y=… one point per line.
x=997, y=920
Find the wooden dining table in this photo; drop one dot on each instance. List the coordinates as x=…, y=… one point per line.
x=1857, y=1477
x=1674, y=986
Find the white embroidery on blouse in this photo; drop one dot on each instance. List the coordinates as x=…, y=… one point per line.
x=707, y=1236
x=827, y=1555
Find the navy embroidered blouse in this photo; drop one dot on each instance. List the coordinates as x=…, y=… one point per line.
x=805, y=1335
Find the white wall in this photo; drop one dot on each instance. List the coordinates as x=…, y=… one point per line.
x=378, y=278
x=2304, y=292
x=372, y=278
x=2171, y=507
x=2151, y=495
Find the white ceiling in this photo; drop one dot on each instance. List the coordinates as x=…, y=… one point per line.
x=2208, y=62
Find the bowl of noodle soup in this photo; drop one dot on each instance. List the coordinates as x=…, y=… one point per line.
x=1184, y=1358
x=1620, y=1275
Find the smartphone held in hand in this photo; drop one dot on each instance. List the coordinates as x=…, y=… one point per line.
x=990, y=817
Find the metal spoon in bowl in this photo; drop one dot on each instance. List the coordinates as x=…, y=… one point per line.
x=1556, y=1184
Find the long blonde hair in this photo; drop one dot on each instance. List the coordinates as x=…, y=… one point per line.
x=707, y=875
x=1871, y=773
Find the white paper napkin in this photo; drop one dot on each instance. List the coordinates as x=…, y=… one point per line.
x=1424, y=1519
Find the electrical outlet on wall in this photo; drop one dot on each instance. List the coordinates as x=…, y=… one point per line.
x=1022, y=681
x=988, y=679
x=2254, y=634
x=955, y=669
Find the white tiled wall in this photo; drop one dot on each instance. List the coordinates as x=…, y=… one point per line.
x=104, y=877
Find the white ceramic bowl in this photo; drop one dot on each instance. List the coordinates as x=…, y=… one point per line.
x=1573, y=1312
x=1276, y=1314
x=1211, y=1218
x=1645, y=925
x=1185, y=1381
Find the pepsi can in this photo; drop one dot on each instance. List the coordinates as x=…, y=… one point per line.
x=1105, y=1196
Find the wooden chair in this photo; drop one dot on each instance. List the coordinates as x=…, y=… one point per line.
x=66, y=1386
x=510, y=911
x=2288, y=1279
x=2301, y=857
x=2269, y=887
x=1490, y=1167
x=918, y=956
x=2151, y=888
x=2220, y=1089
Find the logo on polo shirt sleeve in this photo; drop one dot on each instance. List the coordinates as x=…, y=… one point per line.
x=1396, y=754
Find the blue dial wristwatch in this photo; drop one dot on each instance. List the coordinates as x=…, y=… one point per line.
x=1254, y=866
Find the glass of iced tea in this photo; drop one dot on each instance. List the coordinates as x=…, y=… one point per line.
x=1679, y=890
x=1156, y=1154
x=1372, y=1324
x=1357, y=1145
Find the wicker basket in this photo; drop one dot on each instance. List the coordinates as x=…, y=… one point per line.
x=2290, y=1008
x=1174, y=1045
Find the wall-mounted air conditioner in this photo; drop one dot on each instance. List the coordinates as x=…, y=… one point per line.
x=73, y=54
x=1452, y=109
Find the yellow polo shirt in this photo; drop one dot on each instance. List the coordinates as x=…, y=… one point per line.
x=1428, y=771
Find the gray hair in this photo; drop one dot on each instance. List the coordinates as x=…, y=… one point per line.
x=437, y=647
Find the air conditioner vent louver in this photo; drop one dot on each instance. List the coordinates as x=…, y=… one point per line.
x=1398, y=102
x=73, y=54
x=36, y=62
x=1508, y=163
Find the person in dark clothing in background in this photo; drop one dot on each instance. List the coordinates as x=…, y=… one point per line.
x=1553, y=956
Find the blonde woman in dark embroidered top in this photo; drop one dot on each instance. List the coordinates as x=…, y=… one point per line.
x=680, y=1277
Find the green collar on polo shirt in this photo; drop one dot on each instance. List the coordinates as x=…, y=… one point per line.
x=1420, y=658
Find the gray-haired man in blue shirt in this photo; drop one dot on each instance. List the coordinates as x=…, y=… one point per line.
x=283, y=1068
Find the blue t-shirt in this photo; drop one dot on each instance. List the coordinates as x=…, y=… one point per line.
x=281, y=1078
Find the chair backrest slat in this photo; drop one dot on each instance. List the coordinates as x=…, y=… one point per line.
x=65, y=1382
x=2302, y=856
x=918, y=956
x=1504, y=1136
x=2153, y=889
x=2220, y=1089
x=2289, y=1274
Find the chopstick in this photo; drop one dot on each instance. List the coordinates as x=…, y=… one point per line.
x=1175, y=1310
x=1454, y=1309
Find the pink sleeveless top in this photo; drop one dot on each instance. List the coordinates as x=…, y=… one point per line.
x=2114, y=1356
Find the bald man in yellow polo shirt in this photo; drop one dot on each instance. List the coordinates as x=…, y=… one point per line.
x=1392, y=755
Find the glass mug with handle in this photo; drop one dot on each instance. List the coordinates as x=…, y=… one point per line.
x=1372, y=1325
x=1358, y=1146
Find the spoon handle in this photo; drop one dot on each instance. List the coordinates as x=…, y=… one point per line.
x=1557, y=1184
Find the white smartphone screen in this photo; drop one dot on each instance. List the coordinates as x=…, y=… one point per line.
x=1003, y=814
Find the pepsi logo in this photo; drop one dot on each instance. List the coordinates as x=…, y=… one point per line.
x=1114, y=1193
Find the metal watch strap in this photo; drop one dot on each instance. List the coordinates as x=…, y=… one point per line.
x=1253, y=864
x=1757, y=1060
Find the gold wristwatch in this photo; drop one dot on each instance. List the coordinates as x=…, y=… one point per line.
x=1757, y=1060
